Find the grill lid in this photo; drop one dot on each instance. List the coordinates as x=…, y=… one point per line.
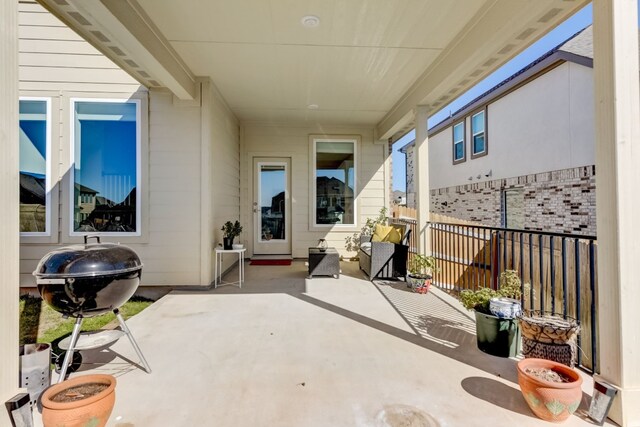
x=88, y=260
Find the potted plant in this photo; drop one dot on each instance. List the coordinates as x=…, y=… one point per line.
x=552, y=390
x=420, y=269
x=549, y=336
x=82, y=401
x=498, y=336
x=230, y=231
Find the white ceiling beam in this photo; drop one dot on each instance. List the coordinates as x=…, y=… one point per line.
x=501, y=30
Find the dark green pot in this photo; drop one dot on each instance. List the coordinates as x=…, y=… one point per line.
x=498, y=337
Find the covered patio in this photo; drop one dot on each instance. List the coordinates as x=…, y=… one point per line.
x=228, y=88
x=285, y=350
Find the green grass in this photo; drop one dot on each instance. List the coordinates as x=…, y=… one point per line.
x=40, y=323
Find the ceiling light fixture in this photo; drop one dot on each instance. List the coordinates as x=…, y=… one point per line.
x=310, y=21
x=313, y=106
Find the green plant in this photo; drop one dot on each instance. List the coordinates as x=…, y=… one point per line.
x=421, y=266
x=231, y=230
x=509, y=286
x=352, y=243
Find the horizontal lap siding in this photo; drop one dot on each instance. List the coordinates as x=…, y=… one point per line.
x=55, y=62
x=294, y=142
x=54, y=58
x=172, y=256
x=225, y=163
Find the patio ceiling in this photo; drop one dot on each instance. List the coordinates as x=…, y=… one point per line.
x=369, y=62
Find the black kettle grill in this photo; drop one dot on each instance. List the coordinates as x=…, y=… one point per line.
x=87, y=280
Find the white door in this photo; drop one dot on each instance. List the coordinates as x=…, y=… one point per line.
x=271, y=206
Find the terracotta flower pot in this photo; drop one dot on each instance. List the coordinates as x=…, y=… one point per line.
x=93, y=411
x=550, y=401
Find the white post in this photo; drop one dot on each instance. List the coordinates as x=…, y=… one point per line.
x=9, y=205
x=617, y=127
x=421, y=178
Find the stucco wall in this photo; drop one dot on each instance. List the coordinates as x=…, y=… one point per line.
x=293, y=142
x=545, y=125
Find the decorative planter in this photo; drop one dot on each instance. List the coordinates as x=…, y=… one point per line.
x=496, y=336
x=227, y=243
x=549, y=336
x=505, y=308
x=550, y=401
x=420, y=284
x=93, y=411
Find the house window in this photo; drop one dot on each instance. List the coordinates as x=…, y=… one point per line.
x=35, y=167
x=459, y=150
x=334, y=172
x=106, y=167
x=513, y=208
x=478, y=134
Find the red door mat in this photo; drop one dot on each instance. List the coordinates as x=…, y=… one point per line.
x=270, y=262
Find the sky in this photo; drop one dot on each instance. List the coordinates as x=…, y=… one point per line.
x=558, y=35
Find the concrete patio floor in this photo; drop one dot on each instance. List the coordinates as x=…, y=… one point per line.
x=288, y=351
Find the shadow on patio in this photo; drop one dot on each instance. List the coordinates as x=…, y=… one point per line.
x=285, y=350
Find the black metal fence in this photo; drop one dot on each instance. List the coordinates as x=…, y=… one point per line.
x=557, y=270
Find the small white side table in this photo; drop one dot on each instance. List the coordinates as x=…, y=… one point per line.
x=218, y=268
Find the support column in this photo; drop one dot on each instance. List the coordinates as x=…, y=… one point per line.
x=421, y=178
x=9, y=205
x=617, y=128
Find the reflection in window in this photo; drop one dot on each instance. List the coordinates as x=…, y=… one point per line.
x=478, y=140
x=105, y=175
x=273, y=204
x=33, y=166
x=335, y=182
x=458, y=142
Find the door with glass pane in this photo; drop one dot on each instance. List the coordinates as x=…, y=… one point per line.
x=271, y=206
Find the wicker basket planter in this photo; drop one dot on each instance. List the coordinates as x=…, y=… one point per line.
x=549, y=336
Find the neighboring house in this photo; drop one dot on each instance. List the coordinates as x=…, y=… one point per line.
x=399, y=198
x=522, y=154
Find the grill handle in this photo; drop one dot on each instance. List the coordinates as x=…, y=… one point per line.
x=89, y=236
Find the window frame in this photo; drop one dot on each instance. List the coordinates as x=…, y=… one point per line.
x=463, y=141
x=139, y=166
x=355, y=140
x=475, y=155
x=287, y=198
x=504, y=215
x=50, y=231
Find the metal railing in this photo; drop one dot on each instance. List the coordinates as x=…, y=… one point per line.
x=560, y=268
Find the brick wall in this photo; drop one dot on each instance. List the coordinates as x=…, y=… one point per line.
x=561, y=201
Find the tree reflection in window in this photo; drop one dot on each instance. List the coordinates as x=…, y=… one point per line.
x=105, y=167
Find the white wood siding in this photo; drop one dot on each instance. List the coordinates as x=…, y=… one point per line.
x=551, y=114
x=225, y=164
x=54, y=58
x=172, y=255
x=57, y=63
x=293, y=142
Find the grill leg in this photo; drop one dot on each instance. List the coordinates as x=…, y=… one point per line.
x=126, y=330
x=68, y=357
